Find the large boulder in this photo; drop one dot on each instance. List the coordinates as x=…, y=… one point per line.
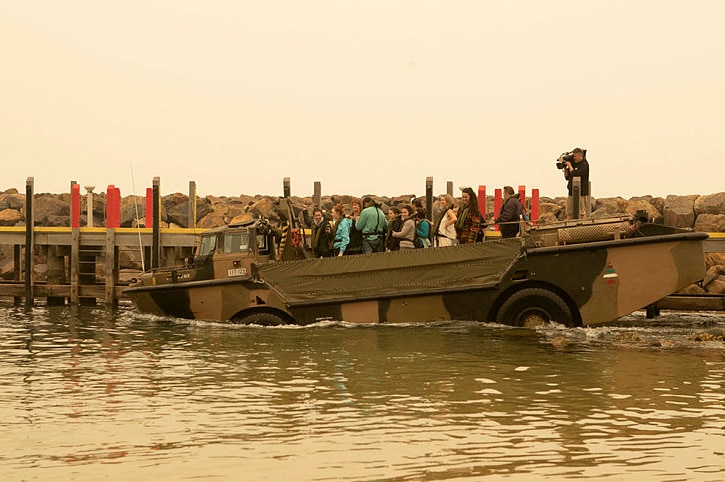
x=550, y=211
x=637, y=205
x=10, y=199
x=606, y=207
x=712, y=259
x=679, y=211
x=211, y=220
x=51, y=210
x=714, y=281
x=710, y=204
x=10, y=217
x=179, y=213
x=657, y=202
x=710, y=223
x=264, y=207
x=132, y=209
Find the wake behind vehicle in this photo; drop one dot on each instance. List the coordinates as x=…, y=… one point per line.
x=583, y=272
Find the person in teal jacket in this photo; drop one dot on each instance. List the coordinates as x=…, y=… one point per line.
x=342, y=230
x=373, y=224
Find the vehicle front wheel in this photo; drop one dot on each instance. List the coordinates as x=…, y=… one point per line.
x=532, y=307
x=261, y=318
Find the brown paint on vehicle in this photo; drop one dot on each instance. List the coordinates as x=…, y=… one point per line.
x=589, y=282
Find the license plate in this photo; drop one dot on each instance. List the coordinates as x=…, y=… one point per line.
x=237, y=272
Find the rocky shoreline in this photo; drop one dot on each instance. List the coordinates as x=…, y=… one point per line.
x=697, y=212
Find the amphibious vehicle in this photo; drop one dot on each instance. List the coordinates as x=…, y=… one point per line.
x=582, y=272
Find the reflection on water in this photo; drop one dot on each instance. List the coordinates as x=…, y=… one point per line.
x=90, y=393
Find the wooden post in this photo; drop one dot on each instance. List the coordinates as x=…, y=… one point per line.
x=156, y=230
x=56, y=273
x=575, y=193
x=17, y=269
x=110, y=267
x=588, y=210
x=317, y=195
x=29, y=243
x=75, y=260
x=429, y=196
x=449, y=188
x=192, y=204
x=286, y=187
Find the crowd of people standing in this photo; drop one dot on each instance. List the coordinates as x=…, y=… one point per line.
x=367, y=229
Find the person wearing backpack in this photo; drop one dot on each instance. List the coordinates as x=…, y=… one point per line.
x=407, y=231
x=423, y=231
x=373, y=225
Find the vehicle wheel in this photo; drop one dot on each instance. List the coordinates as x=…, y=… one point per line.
x=532, y=307
x=262, y=318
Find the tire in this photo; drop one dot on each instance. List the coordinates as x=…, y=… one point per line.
x=532, y=307
x=262, y=318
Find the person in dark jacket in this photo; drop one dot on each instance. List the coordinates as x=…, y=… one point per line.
x=355, y=246
x=508, y=217
x=321, y=242
x=579, y=168
x=395, y=223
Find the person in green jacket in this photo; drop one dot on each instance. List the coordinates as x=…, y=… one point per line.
x=372, y=224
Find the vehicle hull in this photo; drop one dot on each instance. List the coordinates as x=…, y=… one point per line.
x=587, y=283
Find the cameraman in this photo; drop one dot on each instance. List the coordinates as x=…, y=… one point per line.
x=575, y=165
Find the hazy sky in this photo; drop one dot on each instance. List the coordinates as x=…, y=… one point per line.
x=366, y=97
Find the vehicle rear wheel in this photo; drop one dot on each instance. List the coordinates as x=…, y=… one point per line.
x=261, y=318
x=532, y=307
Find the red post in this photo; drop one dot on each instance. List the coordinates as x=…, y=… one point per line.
x=75, y=206
x=522, y=195
x=109, y=207
x=534, y=206
x=482, y=200
x=116, y=205
x=497, y=201
x=149, y=215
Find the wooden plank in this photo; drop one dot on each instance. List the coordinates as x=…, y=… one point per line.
x=109, y=297
x=693, y=303
x=29, y=241
x=75, y=266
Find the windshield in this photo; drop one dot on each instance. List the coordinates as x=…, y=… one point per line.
x=236, y=242
x=208, y=243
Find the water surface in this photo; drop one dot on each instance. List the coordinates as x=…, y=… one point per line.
x=90, y=393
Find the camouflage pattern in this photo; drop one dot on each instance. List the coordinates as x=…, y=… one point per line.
x=577, y=273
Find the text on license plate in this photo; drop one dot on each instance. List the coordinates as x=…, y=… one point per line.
x=237, y=272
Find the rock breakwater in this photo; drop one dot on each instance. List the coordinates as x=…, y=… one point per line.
x=697, y=212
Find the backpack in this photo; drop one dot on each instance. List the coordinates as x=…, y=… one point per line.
x=423, y=234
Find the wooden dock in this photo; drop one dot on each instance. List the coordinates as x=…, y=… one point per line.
x=84, y=264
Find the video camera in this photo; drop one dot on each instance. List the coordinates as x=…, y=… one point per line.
x=568, y=157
